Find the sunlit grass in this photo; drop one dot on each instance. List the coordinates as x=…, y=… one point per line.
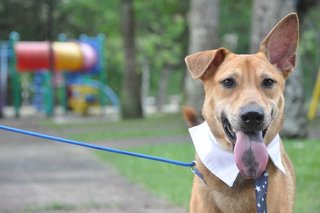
x=305, y=158
x=168, y=181
x=173, y=182
x=100, y=135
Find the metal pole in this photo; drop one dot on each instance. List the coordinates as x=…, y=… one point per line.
x=15, y=76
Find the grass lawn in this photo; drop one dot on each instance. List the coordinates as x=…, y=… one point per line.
x=157, y=125
x=168, y=181
x=306, y=161
x=173, y=182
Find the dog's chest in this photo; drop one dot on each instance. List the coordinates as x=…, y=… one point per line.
x=234, y=202
x=229, y=199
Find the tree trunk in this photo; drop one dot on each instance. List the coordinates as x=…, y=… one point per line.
x=131, y=86
x=163, y=86
x=265, y=15
x=295, y=123
x=203, y=22
x=145, y=82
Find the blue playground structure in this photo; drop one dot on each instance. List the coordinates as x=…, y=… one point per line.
x=69, y=73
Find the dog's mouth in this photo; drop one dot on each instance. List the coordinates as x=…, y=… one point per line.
x=231, y=134
x=228, y=130
x=250, y=151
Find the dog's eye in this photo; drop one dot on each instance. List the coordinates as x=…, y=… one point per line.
x=268, y=83
x=229, y=83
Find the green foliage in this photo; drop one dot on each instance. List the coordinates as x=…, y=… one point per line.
x=161, y=26
x=77, y=17
x=310, y=49
x=235, y=18
x=28, y=17
x=162, y=37
x=161, y=29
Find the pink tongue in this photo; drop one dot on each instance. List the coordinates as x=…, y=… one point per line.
x=250, y=153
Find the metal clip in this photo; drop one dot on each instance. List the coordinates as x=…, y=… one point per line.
x=195, y=171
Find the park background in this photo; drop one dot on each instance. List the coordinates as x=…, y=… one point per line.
x=146, y=42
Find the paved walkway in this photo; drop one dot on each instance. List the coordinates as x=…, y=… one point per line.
x=39, y=176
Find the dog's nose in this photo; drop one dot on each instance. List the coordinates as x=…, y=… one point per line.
x=252, y=117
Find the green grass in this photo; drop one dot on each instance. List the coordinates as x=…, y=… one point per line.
x=153, y=120
x=129, y=133
x=305, y=158
x=174, y=183
x=155, y=126
x=168, y=181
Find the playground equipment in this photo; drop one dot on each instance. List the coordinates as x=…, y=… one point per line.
x=61, y=56
x=83, y=96
x=3, y=74
x=8, y=72
x=85, y=93
x=59, y=68
x=315, y=99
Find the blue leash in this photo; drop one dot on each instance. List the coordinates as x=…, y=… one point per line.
x=97, y=147
x=260, y=197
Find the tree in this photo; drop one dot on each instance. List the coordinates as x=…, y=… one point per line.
x=162, y=44
x=203, y=22
x=265, y=15
x=131, y=85
x=32, y=19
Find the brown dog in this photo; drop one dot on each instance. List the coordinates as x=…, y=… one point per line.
x=243, y=109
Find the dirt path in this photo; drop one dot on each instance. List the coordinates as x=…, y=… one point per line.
x=39, y=176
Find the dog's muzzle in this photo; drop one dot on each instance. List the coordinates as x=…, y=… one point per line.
x=252, y=118
x=250, y=151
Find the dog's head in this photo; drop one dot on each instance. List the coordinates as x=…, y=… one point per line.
x=244, y=100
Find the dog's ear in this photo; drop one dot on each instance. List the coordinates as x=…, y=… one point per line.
x=199, y=63
x=280, y=45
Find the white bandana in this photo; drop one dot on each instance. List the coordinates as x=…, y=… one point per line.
x=220, y=162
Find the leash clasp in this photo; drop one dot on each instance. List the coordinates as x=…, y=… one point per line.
x=195, y=171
